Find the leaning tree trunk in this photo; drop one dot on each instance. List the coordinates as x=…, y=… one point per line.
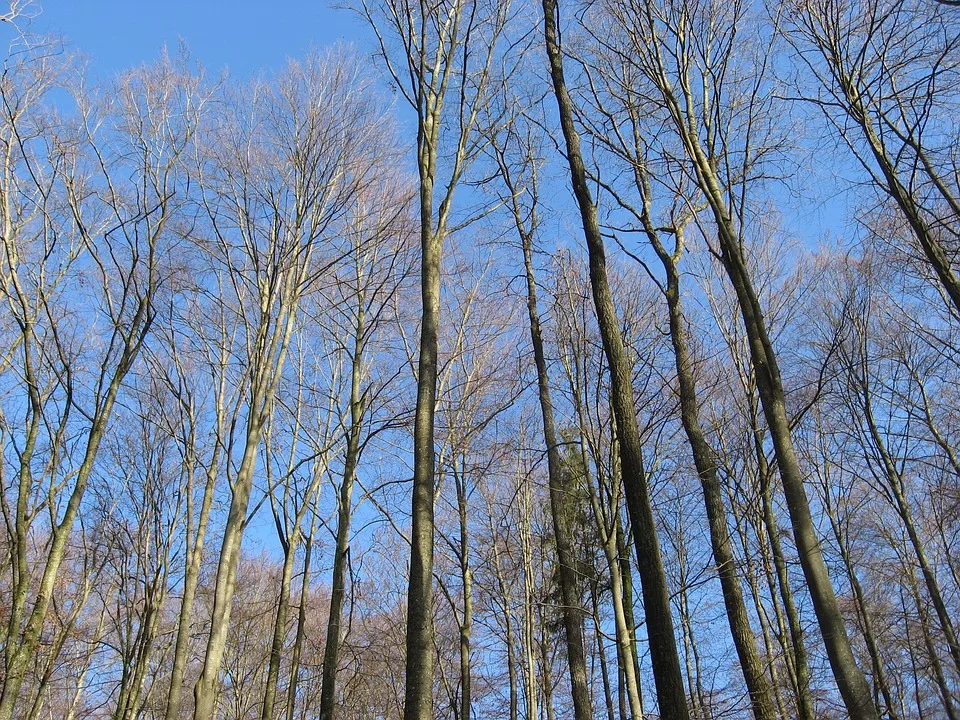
x=796, y=654
x=560, y=493
x=703, y=457
x=668, y=676
x=849, y=677
x=869, y=637
x=205, y=691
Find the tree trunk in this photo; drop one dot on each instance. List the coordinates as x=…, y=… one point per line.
x=942, y=686
x=466, y=578
x=279, y=630
x=798, y=658
x=668, y=675
x=19, y=650
x=602, y=653
x=625, y=649
x=191, y=580
x=418, y=704
x=703, y=457
x=205, y=691
x=623, y=553
x=560, y=492
x=301, y=625
x=895, y=482
x=849, y=677
x=546, y=672
x=331, y=651
x=879, y=674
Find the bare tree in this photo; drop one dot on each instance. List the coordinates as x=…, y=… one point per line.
x=435, y=52
x=887, y=73
x=516, y=154
x=659, y=208
x=277, y=174
x=722, y=165
x=69, y=219
x=365, y=289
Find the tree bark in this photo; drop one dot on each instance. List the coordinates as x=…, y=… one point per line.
x=205, y=691
x=191, y=580
x=301, y=624
x=418, y=704
x=849, y=677
x=703, y=457
x=879, y=674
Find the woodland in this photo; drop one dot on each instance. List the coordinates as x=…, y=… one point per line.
x=556, y=360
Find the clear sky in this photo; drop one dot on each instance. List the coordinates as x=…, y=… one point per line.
x=243, y=35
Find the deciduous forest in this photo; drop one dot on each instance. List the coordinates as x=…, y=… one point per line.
x=555, y=360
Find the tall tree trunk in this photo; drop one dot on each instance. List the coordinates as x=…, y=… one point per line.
x=609, y=530
x=331, y=651
x=507, y=614
x=625, y=648
x=849, y=677
x=942, y=686
x=691, y=657
x=279, y=629
x=601, y=652
x=896, y=485
x=623, y=553
x=508, y=633
x=418, y=703
x=703, y=457
x=560, y=494
x=546, y=671
x=879, y=674
x=529, y=594
x=797, y=659
x=191, y=580
x=205, y=691
x=668, y=675
x=466, y=579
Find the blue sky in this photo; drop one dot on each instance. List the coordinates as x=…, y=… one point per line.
x=243, y=35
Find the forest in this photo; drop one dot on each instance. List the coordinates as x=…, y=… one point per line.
x=556, y=360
